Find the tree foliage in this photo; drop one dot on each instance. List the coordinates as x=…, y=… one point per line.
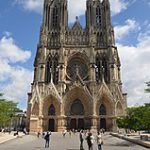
x=7, y=110
x=137, y=118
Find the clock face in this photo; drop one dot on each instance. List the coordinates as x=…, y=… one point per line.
x=76, y=65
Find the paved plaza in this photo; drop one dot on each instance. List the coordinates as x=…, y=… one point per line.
x=31, y=142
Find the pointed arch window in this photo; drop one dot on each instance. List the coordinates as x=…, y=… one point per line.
x=55, y=17
x=52, y=71
x=51, y=110
x=104, y=64
x=49, y=69
x=46, y=15
x=98, y=68
x=55, y=71
x=102, y=110
x=98, y=16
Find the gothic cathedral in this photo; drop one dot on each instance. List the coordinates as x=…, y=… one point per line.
x=77, y=83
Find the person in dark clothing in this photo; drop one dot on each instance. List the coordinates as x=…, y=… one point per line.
x=90, y=141
x=47, y=139
x=81, y=140
x=38, y=134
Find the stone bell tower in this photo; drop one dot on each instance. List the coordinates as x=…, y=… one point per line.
x=77, y=83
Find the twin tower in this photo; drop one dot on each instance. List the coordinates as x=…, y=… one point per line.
x=77, y=83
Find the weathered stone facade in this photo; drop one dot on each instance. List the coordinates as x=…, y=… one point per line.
x=77, y=80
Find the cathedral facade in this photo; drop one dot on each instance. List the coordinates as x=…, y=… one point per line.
x=77, y=83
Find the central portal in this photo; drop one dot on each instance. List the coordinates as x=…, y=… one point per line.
x=77, y=123
x=76, y=120
x=51, y=126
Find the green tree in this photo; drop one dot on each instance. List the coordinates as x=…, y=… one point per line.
x=137, y=118
x=7, y=110
x=146, y=117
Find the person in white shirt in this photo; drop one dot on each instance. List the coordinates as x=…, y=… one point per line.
x=99, y=141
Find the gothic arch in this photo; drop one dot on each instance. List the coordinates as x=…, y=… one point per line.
x=79, y=55
x=56, y=71
x=119, y=108
x=102, y=110
x=105, y=67
x=51, y=101
x=35, y=109
x=108, y=105
x=51, y=110
x=105, y=97
x=98, y=67
x=98, y=16
x=48, y=66
x=55, y=16
x=52, y=63
x=72, y=95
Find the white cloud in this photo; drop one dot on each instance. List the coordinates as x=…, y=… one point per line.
x=76, y=7
x=31, y=5
x=14, y=78
x=122, y=31
x=135, y=68
x=11, y=52
x=19, y=85
x=118, y=5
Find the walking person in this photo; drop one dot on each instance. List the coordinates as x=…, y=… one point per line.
x=47, y=139
x=99, y=141
x=70, y=133
x=64, y=133
x=81, y=135
x=38, y=134
x=90, y=141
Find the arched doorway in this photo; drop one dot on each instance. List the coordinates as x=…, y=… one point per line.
x=51, y=114
x=102, y=114
x=73, y=124
x=51, y=125
x=77, y=115
x=103, y=123
x=80, y=123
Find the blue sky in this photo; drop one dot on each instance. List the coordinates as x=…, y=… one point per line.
x=20, y=22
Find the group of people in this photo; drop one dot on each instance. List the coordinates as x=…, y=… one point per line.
x=15, y=131
x=90, y=140
x=83, y=135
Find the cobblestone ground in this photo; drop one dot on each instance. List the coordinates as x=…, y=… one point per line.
x=31, y=142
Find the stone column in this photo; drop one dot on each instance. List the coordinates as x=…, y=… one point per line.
x=114, y=125
x=61, y=72
x=41, y=124
x=94, y=121
x=92, y=72
x=42, y=73
x=62, y=123
x=28, y=111
x=41, y=116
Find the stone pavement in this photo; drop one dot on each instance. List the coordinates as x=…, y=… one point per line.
x=135, y=138
x=4, y=137
x=31, y=142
